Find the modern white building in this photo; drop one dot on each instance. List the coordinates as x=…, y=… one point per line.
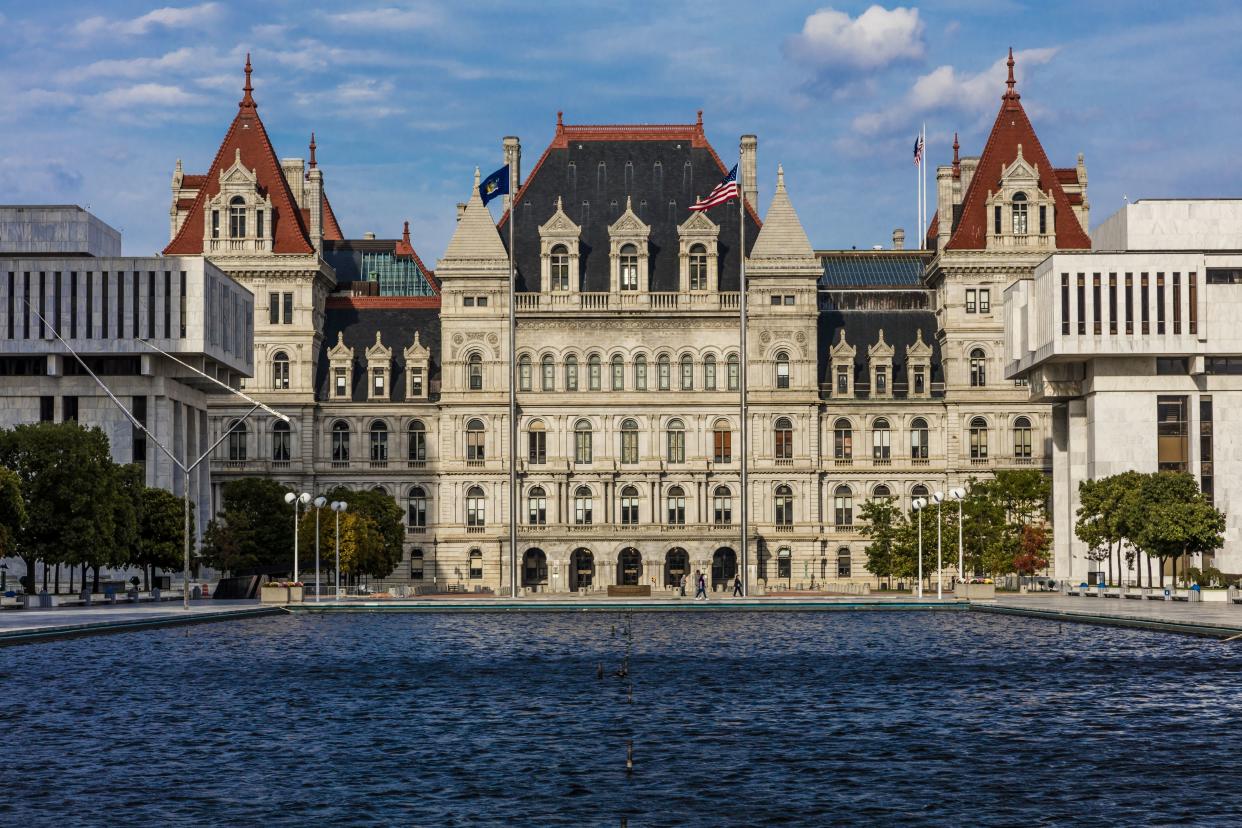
x=1137, y=345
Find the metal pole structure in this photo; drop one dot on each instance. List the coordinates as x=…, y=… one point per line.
x=513, y=428
x=743, y=426
x=919, y=503
x=319, y=504
x=939, y=559
x=185, y=561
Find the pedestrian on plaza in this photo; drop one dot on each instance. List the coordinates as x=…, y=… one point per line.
x=700, y=585
x=737, y=586
x=683, y=585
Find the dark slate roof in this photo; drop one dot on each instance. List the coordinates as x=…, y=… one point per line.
x=872, y=268
x=396, y=327
x=862, y=330
x=594, y=177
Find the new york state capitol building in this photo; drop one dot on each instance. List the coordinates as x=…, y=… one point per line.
x=871, y=373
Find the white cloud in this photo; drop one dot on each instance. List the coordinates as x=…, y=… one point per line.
x=144, y=94
x=385, y=18
x=947, y=88
x=179, y=59
x=876, y=38
x=167, y=17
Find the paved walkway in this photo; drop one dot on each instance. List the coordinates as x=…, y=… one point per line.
x=23, y=626
x=1204, y=618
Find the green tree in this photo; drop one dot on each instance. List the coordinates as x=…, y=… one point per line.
x=983, y=530
x=1178, y=520
x=254, y=531
x=882, y=529
x=161, y=536
x=375, y=559
x=12, y=511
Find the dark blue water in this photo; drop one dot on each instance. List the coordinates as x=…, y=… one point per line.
x=737, y=719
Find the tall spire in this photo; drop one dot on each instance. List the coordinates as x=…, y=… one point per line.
x=313, y=164
x=957, y=162
x=247, y=100
x=1012, y=93
x=405, y=233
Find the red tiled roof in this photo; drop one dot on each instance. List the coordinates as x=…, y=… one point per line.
x=247, y=136
x=185, y=203
x=404, y=248
x=365, y=302
x=193, y=181
x=331, y=230
x=1067, y=175
x=1012, y=128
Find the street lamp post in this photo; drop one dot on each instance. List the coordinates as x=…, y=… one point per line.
x=919, y=505
x=959, y=495
x=319, y=504
x=297, y=501
x=939, y=498
x=338, y=506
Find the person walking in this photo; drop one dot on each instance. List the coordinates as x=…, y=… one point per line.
x=737, y=586
x=700, y=585
x=683, y=585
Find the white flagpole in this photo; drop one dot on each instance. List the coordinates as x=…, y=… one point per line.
x=923, y=177
x=918, y=191
x=513, y=428
x=742, y=425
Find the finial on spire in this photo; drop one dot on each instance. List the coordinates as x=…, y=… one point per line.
x=957, y=162
x=247, y=100
x=405, y=233
x=1012, y=93
x=476, y=179
x=313, y=164
x=560, y=124
x=699, y=121
x=780, y=178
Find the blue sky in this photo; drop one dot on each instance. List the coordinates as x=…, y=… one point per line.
x=406, y=98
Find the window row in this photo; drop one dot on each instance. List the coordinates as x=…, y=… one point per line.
x=594, y=374
x=1092, y=308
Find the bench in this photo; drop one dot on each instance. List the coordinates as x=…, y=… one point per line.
x=632, y=591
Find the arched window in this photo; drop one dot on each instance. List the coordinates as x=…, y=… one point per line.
x=664, y=370
x=582, y=441
x=571, y=373
x=734, y=373
x=843, y=562
x=698, y=267
x=918, y=439
x=675, y=438
x=593, y=372
x=629, y=442
x=782, y=439
x=548, y=369
x=237, y=441
x=524, y=372
x=476, y=564
x=416, y=513
x=880, y=436
x=618, y=373
x=687, y=373
x=559, y=266
x=918, y=490
x=537, y=443
x=629, y=506
x=783, y=506
x=476, y=441
x=722, y=506
x=978, y=439
x=537, y=507
x=281, y=443
x=640, y=373
x=340, y=442
x=1019, y=214
x=582, y=506
x=379, y=441
x=676, y=506
x=280, y=371
x=1022, y=438
x=880, y=492
x=709, y=373
x=476, y=507
x=417, y=449
x=237, y=218
x=782, y=369
x=842, y=439
x=978, y=368
x=628, y=263
x=843, y=506
x=722, y=442
x=474, y=370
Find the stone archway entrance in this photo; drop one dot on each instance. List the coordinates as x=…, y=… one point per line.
x=581, y=569
x=629, y=567
x=534, y=569
x=676, y=565
x=724, y=567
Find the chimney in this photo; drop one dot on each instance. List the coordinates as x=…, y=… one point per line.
x=748, y=150
x=899, y=239
x=513, y=157
x=461, y=208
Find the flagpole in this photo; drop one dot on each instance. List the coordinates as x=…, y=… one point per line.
x=513, y=428
x=923, y=179
x=743, y=427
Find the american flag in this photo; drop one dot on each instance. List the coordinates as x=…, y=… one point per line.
x=918, y=150
x=726, y=190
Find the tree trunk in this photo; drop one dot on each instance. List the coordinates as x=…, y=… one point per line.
x=56, y=588
x=1149, y=581
x=95, y=578
x=1160, y=565
x=1110, y=564
x=45, y=568
x=71, y=568
x=146, y=578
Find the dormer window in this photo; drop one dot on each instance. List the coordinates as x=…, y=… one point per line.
x=629, y=267
x=698, y=267
x=237, y=218
x=559, y=266
x=215, y=224
x=340, y=387
x=258, y=223
x=1019, y=214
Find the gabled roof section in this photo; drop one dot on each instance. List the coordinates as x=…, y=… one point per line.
x=331, y=229
x=782, y=235
x=1012, y=128
x=247, y=137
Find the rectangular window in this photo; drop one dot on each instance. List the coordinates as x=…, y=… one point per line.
x=58, y=321
x=258, y=223
x=789, y=299
x=1159, y=303
x=1206, y=465
x=10, y=299
x=1145, y=306
x=167, y=304
x=734, y=377
x=103, y=308
x=996, y=220
x=881, y=380
x=1222, y=276
x=722, y=446
x=135, y=319
x=1065, y=304
x=1224, y=365
x=377, y=382
x=1172, y=366
x=138, y=438
x=970, y=301
x=920, y=379
x=73, y=304
x=42, y=306
x=1193, y=304
x=776, y=299
x=273, y=308
x=1082, y=304
x=481, y=302
x=537, y=447
x=151, y=304
x=340, y=382
x=183, y=305
x=1043, y=220
x=985, y=300
x=1098, y=305
x=215, y=224
x=90, y=305
x=1177, y=303
x=1129, y=303
x=416, y=382
x=47, y=409
x=26, y=306
x=1112, y=304
x=663, y=368
x=467, y=301
x=1171, y=433
x=68, y=409
x=288, y=310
